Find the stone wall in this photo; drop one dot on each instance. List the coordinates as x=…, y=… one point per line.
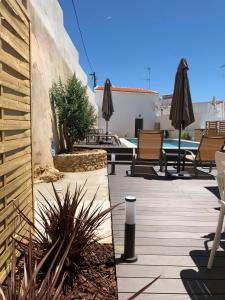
x=89, y=160
x=53, y=56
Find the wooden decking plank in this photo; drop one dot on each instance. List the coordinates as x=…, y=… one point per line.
x=182, y=205
x=146, y=224
x=167, y=228
x=175, y=223
x=172, y=272
x=164, y=250
x=165, y=242
x=144, y=209
x=164, y=234
x=177, y=260
x=173, y=286
x=185, y=201
x=147, y=219
x=147, y=296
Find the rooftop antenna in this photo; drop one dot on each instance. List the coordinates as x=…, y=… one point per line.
x=148, y=79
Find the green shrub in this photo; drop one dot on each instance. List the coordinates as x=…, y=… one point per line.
x=185, y=136
x=75, y=114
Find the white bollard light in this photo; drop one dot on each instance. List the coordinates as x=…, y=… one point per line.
x=129, y=236
x=113, y=161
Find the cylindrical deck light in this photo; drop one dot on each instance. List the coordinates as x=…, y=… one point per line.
x=129, y=236
x=113, y=161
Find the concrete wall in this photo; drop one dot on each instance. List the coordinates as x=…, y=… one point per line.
x=127, y=107
x=53, y=56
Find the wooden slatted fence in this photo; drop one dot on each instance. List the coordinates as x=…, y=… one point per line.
x=15, y=125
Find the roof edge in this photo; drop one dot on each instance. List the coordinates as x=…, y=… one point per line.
x=127, y=90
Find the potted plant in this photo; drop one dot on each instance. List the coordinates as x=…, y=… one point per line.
x=76, y=116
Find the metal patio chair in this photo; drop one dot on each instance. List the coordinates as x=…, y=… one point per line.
x=149, y=149
x=206, y=152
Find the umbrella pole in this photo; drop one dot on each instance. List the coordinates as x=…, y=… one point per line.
x=179, y=142
x=107, y=131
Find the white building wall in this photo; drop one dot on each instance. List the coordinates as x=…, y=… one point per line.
x=203, y=111
x=127, y=107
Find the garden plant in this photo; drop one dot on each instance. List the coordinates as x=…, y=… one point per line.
x=67, y=243
x=76, y=115
x=185, y=136
x=26, y=284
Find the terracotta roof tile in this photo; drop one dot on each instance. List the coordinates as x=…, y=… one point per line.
x=128, y=90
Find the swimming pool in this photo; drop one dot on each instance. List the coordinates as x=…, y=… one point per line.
x=172, y=144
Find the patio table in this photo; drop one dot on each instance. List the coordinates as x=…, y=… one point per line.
x=103, y=136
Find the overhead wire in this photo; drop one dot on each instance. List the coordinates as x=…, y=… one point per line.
x=82, y=39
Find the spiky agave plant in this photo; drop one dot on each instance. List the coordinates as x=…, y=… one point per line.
x=63, y=219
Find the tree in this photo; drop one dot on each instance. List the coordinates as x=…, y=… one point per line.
x=75, y=113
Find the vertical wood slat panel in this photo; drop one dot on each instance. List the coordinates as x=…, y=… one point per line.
x=15, y=128
x=2, y=161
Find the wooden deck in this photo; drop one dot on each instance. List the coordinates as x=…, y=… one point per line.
x=176, y=221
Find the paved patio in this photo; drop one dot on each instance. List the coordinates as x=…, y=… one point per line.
x=95, y=179
x=176, y=221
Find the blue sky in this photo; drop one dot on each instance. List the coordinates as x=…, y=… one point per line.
x=123, y=37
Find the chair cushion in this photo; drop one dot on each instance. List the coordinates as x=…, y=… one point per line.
x=189, y=157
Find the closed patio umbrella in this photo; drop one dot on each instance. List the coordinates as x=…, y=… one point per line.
x=181, y=112
x=107, y=104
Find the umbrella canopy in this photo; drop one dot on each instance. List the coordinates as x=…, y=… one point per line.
x=107, y=103
x=181, y=112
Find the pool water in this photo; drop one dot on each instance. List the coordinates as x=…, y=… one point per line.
x=173, y=144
